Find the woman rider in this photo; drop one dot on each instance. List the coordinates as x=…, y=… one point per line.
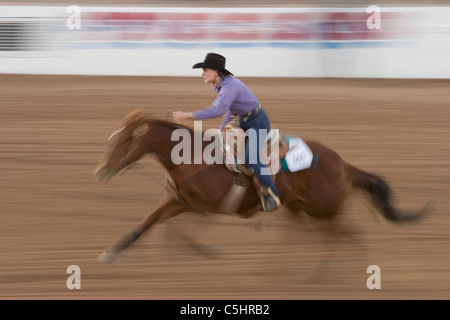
x=235, y=98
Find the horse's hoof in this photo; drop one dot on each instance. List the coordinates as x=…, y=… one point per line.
x=107, y=256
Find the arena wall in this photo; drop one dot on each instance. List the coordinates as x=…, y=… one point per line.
x=348, y=42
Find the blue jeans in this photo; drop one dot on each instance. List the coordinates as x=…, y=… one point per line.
x=256, y=122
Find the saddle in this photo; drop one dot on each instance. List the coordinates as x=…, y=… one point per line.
x=234, y=157
x=234, y=150
x=290, y=154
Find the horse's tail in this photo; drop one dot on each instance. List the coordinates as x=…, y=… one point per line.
x=381, y=195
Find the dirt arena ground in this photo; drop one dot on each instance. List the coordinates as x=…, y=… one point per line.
x=54, y=214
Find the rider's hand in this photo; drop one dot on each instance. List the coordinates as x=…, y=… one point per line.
x=180, y=116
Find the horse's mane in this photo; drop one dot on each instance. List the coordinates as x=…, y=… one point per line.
x=141, y=116
x=170, y=124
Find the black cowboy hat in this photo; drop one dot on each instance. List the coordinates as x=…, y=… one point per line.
x=213, y=61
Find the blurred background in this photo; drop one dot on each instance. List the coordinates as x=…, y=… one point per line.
x=292, y=39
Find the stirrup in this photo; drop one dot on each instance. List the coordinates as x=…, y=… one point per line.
x=272, y=206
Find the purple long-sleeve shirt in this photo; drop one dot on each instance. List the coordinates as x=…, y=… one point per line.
x=234, y=97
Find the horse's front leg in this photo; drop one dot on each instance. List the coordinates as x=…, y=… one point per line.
x=167, y=210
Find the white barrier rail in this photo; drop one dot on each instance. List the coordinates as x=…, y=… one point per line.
x=368, y=42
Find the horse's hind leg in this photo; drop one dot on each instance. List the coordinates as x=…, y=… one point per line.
x=198, y=247
x=298, y=218
x=326, y=228
x=335, y=234
x=167, y=210
x=331, y=239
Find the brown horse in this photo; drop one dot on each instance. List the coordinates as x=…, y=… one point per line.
x=205, y=188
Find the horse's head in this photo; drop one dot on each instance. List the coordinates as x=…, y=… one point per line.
x=118, y=154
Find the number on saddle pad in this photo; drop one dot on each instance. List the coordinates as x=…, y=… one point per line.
x=298, y=157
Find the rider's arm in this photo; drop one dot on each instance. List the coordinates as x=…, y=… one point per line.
x=221, y=105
